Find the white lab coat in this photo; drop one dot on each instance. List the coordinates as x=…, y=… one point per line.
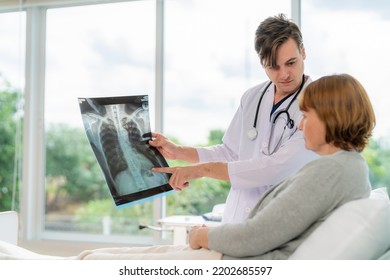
x=251, y=172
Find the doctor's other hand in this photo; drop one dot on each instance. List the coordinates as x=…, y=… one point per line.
x=180, y=175
x=170, y=150
x=166, y=147
x=198, y=237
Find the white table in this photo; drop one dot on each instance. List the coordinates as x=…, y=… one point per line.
x=9, y=221
x=182, y=224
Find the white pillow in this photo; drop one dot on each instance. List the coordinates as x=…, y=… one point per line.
x=359, y=229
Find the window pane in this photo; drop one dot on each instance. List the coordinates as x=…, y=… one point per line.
x=102, y=50
x=12, y=32
x=209, y=62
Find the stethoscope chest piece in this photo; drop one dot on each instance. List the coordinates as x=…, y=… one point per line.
x=252, y=133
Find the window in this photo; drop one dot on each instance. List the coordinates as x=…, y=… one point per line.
x=104, y=50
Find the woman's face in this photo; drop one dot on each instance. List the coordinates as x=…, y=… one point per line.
x=314, y=133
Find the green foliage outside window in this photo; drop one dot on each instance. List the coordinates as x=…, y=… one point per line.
x=377, y=155
x=9, y=146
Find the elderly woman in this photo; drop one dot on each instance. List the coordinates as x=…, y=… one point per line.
x=337, y=122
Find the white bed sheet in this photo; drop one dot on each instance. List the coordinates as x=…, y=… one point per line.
x=165, y=252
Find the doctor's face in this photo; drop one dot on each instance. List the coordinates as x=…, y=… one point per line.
x=314, y=132
x=287, y=74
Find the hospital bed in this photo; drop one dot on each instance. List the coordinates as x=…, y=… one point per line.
x=359, y=229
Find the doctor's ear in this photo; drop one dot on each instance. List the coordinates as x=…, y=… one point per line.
x=303, y=52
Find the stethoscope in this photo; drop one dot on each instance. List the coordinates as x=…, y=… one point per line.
x=252, y=133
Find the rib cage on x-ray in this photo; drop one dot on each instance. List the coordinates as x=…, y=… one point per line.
x=118, y=134
x=113, y=145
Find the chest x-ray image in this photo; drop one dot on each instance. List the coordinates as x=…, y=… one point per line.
x=118, y=129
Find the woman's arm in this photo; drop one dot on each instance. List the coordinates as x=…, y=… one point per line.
x=284, y=214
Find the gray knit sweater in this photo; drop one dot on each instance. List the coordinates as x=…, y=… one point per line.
x=291, y=210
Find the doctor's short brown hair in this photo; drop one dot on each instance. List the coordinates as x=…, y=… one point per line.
x=343, y=105
x=271, y=34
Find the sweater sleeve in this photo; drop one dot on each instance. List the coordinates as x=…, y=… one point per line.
x=283, y=214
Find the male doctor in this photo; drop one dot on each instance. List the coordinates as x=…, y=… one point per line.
x=262, y=145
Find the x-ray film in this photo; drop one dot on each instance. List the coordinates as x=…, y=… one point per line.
x=118, y=129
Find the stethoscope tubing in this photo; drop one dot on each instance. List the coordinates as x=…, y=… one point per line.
x=252, y=133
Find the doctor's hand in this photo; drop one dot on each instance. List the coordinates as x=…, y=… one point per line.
x=165, y=146
x=170, y=150
x=198, y=237
x=180, y=175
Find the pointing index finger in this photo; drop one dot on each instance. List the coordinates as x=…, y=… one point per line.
x=163, y=169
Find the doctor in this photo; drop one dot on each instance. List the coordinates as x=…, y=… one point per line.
x=262, y=145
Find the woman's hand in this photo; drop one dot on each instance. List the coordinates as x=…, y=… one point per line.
x=198, y=237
